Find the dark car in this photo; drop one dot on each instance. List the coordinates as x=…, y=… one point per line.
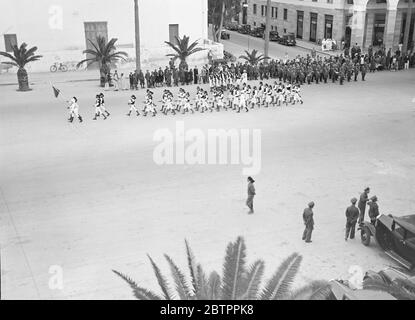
x=395, y=235
x=288, y=39
x=274, y=36
x=225, y=35
x=232, y=26
x=244, y=29
x=258, y=32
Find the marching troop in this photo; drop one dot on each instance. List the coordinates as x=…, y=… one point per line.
x=234, y=97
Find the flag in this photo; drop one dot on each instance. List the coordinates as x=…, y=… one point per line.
x=56, y=92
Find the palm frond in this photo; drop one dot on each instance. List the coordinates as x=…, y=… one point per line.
x=316, y=290
x=393, y=289
x=10, y=63
x=191, y=261
x=233, y=269
x=279, y=285
x=161, y=280
x=8, y=55
x=139, y=293
x=252, y=280
x=202, y=284
x=214, y=285
x=182, y=287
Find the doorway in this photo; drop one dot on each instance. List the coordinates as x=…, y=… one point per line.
x=92, y=31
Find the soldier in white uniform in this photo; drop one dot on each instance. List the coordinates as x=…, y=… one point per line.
x=98, y=109
x=74, y=110
x=131, y=103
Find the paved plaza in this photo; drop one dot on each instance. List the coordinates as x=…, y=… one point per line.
x=89, y=198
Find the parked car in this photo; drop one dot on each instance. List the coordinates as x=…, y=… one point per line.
x=342, y=291
x=274, y=36
x=258, y=32
x=232, y=26
x=395, y=235
x=225, y=35
x=244, y=29
x=288, y=39
x=397, y=284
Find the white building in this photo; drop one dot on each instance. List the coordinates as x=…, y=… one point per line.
x=60, y=28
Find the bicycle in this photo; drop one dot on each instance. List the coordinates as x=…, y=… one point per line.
x=57, y=66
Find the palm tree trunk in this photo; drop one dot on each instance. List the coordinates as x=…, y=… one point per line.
x=23, y=79
x=267, y=29
x=137, y=36
x=407, y=27
x=219, y=31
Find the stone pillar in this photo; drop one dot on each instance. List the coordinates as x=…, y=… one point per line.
x=408, y=26
x=390, y=28
x=358, y=27
x=370, y=24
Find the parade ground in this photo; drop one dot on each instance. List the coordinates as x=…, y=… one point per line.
x=82, y=199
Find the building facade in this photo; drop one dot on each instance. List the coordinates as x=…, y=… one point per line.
x=365, y=22
x=62, y=29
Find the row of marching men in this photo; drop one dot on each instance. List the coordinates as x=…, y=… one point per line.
x=238, y=98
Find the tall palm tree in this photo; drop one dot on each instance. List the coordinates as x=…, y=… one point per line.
x=104, y=54
x=252, y=57
x=183, y=50
x=20, y=57
x=238, y=281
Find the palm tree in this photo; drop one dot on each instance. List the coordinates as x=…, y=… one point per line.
x=237, y=282
x=104, y=54
x=252, y=57
x=183, y=50
x=21, y=56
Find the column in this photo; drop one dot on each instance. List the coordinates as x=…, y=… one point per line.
x=390, y=28
x=370, y=24
x=408, y=26
x=358, y=27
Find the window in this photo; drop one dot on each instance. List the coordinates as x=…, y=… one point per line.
x=9, y=41
x=263, y=10
x=173, y=32
x=254, y=8
x=329, y=1
x=328, y=27
x=350, y=2
x=274, y=12
x=285, y=14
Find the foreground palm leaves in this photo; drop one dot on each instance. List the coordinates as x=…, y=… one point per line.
x=238, y=281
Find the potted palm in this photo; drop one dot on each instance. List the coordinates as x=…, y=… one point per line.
x=183, y=50
x=20, y=58
x=104, y=53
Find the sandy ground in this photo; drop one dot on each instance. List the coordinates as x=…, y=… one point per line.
x=89, y=197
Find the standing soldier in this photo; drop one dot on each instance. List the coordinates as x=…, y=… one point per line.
x=352, y=213
x=308, y=222
x=363, y=70
x=364, y=198
x=373, y=209
x=356, y=71
x=251, y=195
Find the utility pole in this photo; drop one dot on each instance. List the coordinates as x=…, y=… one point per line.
x=407, y=27
x=267, y=29
x=137, y=36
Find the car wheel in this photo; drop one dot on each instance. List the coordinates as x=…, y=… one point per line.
x=365, y=236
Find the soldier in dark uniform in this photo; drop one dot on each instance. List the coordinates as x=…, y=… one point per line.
x=352, y=213
x=251, y=195
x=342, y=74
x=141, y=79
x=364, y=198
x=373, y=209
x=308, y=222
x=363, y=70
x=356, y=71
